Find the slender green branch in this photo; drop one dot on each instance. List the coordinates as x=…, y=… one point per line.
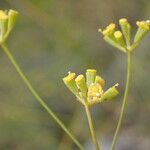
x=124, y=103
x=37, y=97
x=91, y=126
x=76, y=128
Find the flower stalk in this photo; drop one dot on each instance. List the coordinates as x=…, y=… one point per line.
x=89, y=91
x=122, y=42
x=124, y=103
x=7, y=22
x=91, y=127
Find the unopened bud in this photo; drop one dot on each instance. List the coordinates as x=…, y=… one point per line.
x=110, y=93
x=70, y=83
x=119, y=37
x=126, y=29
x=81, y=84
x=90, y=76
x=100, y=81
x=143, y=28
x=12, y=15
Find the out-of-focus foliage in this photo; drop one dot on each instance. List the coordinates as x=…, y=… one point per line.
x=52, y=37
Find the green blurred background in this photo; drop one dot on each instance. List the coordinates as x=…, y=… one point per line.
x=52, y=37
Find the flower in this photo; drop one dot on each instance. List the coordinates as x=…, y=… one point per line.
x=89, y=90
x=143, y=29
x=122, y=39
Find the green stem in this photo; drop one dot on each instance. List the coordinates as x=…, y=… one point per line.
x=124, y=102
x=91, y=126
x=75, y=126
x=37, y=97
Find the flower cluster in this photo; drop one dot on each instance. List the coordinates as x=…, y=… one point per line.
x=89, y=90
x=122, y=39
x=7, y=22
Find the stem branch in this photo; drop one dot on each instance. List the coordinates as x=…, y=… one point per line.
x=124, y=103
x=37, y=97
x=91, y=126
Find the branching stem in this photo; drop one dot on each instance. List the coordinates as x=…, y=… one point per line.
x=124, y=103
x=37, y=97
x=91, y=126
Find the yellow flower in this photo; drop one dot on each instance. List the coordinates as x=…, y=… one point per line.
x=3, y=15
x=89, y=90
x=143, y=24
x=95, y=91
x=108, y=30
x=122, y=39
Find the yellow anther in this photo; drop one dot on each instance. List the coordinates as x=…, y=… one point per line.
x=3, y=15
x=143, y=24
x=91, y=71
x=117, y=34
x=108, y=30
x=100, y=30
x=111, y=26
x=70, y=77
x=79, y=78
x=123, y=21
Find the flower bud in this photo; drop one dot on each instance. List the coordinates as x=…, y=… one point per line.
x=70, y=83
x=90, y=76
x=143, y=28
x=12, y=15
x=110, y=38
x=81, y=84
x=119, y=37
x=110, y=93
x=126, y=29
x=3, y=24
x=100, y=81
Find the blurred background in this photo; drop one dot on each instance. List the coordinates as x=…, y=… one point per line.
x=53, y=37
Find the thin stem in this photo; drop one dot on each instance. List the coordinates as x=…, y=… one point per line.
x=37, y=97
x=75, y=126
x=91, y=126
x=124, y=103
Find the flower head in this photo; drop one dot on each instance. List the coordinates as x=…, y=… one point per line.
x=89, y=90
x=122, y=39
